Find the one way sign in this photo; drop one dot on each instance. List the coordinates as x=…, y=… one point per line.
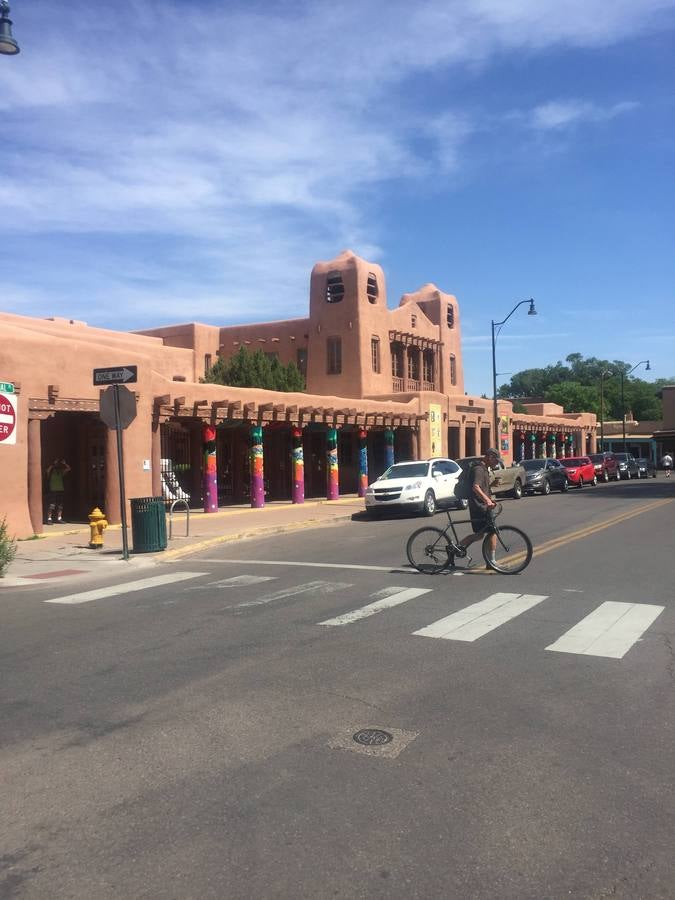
x=116, y=375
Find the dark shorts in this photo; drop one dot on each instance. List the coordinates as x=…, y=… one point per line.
x=479, y=517
x=55, y=497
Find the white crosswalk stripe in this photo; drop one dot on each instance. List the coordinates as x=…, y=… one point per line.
x=235, y=581
x=386, y=599
x=311, y=587
x=474, y=621
x=127, y=587
x=610, y=630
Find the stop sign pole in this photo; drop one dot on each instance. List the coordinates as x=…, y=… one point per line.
x=118, y=414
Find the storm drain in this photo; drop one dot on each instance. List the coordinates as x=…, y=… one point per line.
x=382, y=742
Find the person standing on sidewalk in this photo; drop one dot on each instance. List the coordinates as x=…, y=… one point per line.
x=481, y=501
x=56, y=489
x=667, y=463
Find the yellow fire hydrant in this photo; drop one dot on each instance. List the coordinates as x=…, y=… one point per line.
x=98, y=523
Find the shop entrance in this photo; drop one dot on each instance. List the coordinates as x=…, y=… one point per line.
x=79, y=439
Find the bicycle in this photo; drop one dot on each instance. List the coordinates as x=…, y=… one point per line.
x=430, y=550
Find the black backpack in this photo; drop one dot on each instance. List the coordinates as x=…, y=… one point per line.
x=464, y=484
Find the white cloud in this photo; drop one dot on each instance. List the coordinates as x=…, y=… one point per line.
x=560, y=114
x=257, y=135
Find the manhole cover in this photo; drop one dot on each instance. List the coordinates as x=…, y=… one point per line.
x=373, y=737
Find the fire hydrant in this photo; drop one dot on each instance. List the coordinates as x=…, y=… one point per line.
x=98, y=523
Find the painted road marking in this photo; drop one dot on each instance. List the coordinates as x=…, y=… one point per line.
x=311, y=565
x=241, y=580
x=474, y=621
x=325, y=587
x=610, y=630
x=387, y=598
x=127, y=587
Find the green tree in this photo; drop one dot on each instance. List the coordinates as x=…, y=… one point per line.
x=246, y=369
x=574, y=397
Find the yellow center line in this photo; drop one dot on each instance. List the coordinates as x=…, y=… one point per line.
x=580, y=533
x=597, y=526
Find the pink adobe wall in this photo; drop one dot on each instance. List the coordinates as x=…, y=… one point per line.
x=284, y=337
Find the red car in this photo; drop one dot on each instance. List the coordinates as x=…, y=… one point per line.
x=580, y=470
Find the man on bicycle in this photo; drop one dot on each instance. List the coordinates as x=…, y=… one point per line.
x=481, y=500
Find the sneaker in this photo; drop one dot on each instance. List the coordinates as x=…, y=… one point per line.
x=59, y=519
x=49, y=522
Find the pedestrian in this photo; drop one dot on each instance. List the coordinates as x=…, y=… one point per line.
x=481, y=501
x=56, y=472
x=667, y=463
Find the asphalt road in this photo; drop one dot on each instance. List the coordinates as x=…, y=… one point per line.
x=192, y=736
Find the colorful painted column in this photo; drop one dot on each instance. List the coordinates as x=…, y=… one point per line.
x=388, y=448
x=363, y=462
x=298, y=466
x=257, y=476
x=332, y=471
x=210, y=469
x=533, y=444
x=542, y=445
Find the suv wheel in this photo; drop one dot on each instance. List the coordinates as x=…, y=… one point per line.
x=517, y=491
x=605, y=475
x=546, y=489
x=595, y=481
x=429, y=503
x=564, y=486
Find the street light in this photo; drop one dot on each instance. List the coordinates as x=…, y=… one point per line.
x=8, y=45
x=531, y=312
x=606, y=374
x=623, y=403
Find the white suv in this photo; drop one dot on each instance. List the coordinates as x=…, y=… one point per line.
x=421, y=485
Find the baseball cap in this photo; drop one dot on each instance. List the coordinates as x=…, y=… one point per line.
x=491, y=452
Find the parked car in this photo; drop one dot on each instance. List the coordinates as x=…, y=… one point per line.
x=418, y=486
x=646, y=467
x=606, y=466
x=580, y=470
x=544, y=476
x=628, y=467
x=503, y=479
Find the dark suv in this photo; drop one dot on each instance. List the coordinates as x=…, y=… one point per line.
x=628, y=467
x=606, y=466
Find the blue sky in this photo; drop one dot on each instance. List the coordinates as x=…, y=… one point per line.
x=164, y=162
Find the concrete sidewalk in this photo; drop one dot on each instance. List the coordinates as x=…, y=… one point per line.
x=62, y=553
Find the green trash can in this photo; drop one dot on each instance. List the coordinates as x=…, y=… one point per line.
x=148, y=524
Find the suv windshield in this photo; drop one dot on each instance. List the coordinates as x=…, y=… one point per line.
x=532, y=465
x=597, y=457
x=622, y=456
x=405, y=470
x=572, y=463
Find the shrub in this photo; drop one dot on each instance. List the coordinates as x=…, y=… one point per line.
x=7, y=548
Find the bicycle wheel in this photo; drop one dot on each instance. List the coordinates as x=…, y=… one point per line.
x=428, y=550
x=513, y=552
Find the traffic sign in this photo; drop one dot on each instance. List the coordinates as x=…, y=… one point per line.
x=115, y=375
x=118, y=413
x=8, y=406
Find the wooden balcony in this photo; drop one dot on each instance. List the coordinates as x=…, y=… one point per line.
x=428, y=386
x=397, y=383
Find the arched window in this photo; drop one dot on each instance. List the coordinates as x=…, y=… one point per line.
x=335, y=289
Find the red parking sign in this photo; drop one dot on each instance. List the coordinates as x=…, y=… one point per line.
x=7, y=419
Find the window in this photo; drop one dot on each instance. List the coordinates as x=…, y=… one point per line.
x=334, y=356
x=397, y=360
x=372, y=289
x=301, y=360
x=453, y=369
x=375, y=353
x=335, y=289
x=413, y=363
x=451, y=316
x=207, y=363
x=428, y=366
x=413, y=320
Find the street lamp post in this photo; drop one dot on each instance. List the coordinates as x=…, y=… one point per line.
x=8, y=45
x=531, y=312
x=623, y=402
x=606, y=374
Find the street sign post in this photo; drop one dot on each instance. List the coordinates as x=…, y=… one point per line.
x=8, y=413
x=118, y=411
x=115, y=375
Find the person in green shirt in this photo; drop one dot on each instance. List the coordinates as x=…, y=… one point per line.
x=56, y=473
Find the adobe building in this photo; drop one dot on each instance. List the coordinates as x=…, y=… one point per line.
x=381, y=385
